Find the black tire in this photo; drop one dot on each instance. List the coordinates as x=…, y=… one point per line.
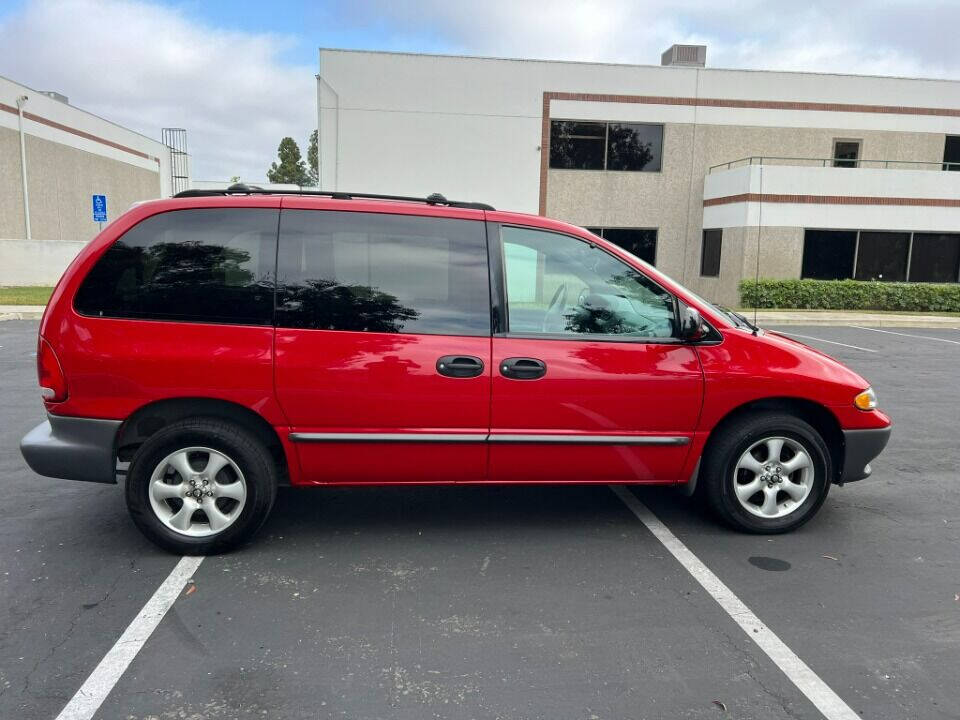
x=728, y=446
x=250, y=455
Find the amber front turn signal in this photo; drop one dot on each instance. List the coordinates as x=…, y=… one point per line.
x=867, y=400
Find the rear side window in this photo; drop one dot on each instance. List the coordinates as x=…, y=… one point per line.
x=371, y=272
x=205, y=265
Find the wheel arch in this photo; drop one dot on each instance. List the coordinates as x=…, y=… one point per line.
x=818, y=416
x=151, y=418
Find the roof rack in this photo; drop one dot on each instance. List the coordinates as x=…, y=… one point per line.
x=243, y=189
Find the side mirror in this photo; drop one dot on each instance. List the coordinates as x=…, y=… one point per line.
x=691, y=324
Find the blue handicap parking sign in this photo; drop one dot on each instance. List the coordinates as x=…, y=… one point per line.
x=99, y=208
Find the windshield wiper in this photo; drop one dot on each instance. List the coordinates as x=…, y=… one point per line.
x=739, y=319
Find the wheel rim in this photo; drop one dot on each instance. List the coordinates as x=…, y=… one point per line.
x=773, y=477
x=197, y=491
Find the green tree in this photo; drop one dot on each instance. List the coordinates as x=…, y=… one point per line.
x=291, y=168
x=313, y=160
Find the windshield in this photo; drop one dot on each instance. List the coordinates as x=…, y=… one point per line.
x=736, y=318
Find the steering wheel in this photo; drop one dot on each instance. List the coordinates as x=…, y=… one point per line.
x=556, y=307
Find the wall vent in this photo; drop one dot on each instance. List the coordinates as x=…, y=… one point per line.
x=685, y=56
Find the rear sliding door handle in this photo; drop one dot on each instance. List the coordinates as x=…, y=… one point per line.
x=523, y=368
x=460, y=366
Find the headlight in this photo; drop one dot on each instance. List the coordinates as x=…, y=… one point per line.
x=867, y=400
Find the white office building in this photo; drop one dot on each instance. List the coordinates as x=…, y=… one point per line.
x=713, y=175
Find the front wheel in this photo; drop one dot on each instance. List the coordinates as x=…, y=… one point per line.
x=201, y=486
x=767, y=473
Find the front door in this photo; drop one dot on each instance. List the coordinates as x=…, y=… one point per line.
x=383, y=344
x=590, y=382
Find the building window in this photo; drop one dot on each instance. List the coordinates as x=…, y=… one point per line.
x=846, y=153
x=641, y=242
x=935, y=257
x=578, y=145
x=887, y=256
x=882, y=256
x=630, y=147
x=710, y=253
x=828, y=254
x=951, y=152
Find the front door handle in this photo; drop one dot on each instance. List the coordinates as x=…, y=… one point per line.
x=460, y=366
x=523, y=368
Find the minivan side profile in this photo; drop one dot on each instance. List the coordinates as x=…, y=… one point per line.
x=208, y=348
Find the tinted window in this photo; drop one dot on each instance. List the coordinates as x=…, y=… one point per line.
x=577, y=145
x=846, y=153
x=382, y=273
x=710, y=253
x=206, y=265
x=642, y=242
x=935, y=258
x=558, y=285
x=828, y=254
x=882, y=256
x=951, y=152
x=634, y=147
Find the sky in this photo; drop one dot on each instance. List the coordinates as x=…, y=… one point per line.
x=239, y=75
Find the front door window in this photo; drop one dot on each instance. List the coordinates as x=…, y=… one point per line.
x=559, y=285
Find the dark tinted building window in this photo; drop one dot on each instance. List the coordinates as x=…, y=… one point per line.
x=577, y=145
x=846, y=153
x=373, y=272
x=882, y=256
x=634, y=147
x=828, y=254
x=935, y=258
x=951, y=153
x=204, y=265
x=642, y=242
x=710, y=253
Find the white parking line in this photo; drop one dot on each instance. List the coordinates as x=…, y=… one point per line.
x=832, y=342
x=921, y=337
x=831, y=706
x=87, y=700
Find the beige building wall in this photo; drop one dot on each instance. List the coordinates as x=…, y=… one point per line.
x=672, y=200
x=61, y=180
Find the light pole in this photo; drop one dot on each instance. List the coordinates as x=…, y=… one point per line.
x=21, y=101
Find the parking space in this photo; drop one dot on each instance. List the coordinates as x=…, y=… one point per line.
x=512, y=602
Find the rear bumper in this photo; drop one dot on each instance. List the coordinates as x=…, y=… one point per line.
x=72, y=448
x=861, y=446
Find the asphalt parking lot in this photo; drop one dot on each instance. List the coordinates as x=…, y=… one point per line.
x=502, y=602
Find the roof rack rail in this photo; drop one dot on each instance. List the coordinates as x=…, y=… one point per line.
x=243, y=189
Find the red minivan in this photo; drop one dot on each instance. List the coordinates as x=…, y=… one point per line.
x=208, y=348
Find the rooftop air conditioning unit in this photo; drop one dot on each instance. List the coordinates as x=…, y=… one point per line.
x=685, y=56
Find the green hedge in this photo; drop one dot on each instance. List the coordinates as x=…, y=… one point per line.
x=850, y=295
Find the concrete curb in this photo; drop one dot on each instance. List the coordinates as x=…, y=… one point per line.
x=838, y=319
x=29, y=315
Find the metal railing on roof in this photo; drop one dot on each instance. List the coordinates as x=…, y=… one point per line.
x=836, y=162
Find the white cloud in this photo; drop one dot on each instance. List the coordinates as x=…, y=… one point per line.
x=147, y=67
x=905, y=37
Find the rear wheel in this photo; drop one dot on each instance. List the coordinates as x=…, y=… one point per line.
x=201, y=486
x=767, y=473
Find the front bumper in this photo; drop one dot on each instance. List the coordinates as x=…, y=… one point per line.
x=72, y=448
x=860, y=447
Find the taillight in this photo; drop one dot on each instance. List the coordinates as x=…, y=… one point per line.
x=53, y=384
